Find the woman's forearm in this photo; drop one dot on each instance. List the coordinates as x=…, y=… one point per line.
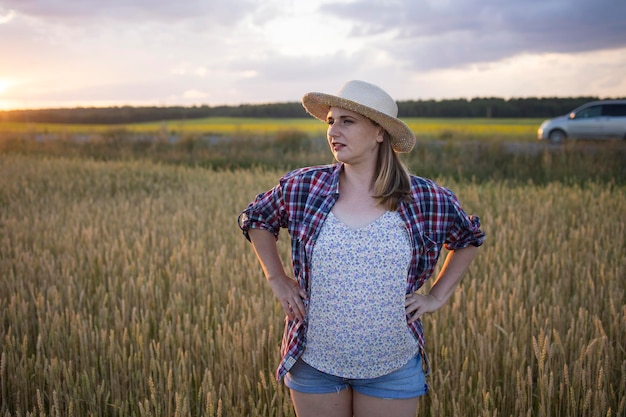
x=454, y=268
x=266, y=250
x=286, y=289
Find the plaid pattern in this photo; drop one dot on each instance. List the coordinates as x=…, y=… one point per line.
x=304, y=197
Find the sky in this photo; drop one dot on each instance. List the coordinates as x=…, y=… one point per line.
x=96, y=53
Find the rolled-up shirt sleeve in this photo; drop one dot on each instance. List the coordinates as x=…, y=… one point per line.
x=266, y=211
x=466, y=229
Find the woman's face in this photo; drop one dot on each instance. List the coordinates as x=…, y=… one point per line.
x=353, y=138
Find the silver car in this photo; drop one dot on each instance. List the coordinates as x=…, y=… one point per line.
x=604, y=119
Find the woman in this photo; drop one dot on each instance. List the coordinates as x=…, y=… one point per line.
x=365, y=236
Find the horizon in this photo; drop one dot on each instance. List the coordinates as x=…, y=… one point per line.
x=296, y=102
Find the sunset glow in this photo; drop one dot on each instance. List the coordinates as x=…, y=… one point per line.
x=135, y=52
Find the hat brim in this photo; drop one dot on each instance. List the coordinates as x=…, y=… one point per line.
x=402, y=137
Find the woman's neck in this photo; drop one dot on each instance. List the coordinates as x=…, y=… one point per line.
x=357, y=178
x=356, y=206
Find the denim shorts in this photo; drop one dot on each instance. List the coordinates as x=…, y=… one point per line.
x=406, y=382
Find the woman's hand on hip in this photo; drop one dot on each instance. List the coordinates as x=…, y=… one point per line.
x=290, y=295
x=416, y=305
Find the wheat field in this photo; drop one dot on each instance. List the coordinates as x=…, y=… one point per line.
x=126, y=289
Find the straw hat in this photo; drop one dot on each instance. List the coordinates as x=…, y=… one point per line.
x=368, y=100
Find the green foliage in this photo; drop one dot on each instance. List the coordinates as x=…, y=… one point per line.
x=457, y=149
x=491, y=107
x=449, y=108
x=537, y=163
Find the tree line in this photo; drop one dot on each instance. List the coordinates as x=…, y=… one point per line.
x=453, y=108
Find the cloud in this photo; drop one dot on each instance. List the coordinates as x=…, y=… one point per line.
x=250, y=51
x=444, y=34
x=6, y=15
x=136, y=10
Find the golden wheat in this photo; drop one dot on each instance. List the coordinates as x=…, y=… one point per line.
x=127, y=290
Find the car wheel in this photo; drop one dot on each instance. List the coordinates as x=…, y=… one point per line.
x=557, y=136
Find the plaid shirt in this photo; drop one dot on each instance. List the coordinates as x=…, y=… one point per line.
x=304, y=197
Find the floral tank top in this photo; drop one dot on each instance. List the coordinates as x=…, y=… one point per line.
x=357, y=323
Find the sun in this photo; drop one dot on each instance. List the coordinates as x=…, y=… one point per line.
x=5, y=104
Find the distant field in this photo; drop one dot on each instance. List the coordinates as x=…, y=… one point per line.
x=482, y=149
x=425, y=129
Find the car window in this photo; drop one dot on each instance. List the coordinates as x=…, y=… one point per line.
x=593, y=111
x=614, y=110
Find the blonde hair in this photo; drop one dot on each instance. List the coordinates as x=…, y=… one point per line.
x=393, y=182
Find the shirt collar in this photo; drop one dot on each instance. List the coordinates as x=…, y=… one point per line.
x=333, y=185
